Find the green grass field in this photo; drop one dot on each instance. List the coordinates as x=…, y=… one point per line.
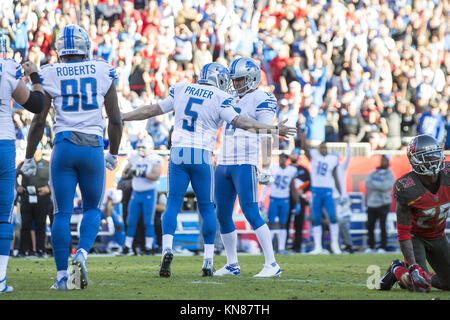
x=304, y=277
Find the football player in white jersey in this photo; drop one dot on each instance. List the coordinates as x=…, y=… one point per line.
x=280, y=192
x=78, y=88
x=200, y=108
x=12, y=87
x=146, y=169
x=323, y=180
x=236, y=172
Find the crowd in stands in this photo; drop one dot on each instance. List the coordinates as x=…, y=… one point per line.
x=375, y=71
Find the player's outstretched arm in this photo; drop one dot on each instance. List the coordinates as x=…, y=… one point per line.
x=37, y=128
x=252, y=125
x=114, y=121
x=143, y=113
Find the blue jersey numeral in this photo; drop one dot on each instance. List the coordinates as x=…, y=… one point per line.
x=229, y=129
x=71, y=95
x=194, y=115
x=322, y=168
x=281, y=182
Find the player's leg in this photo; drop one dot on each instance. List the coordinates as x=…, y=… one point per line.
x=334, y=226
x=148, y=206
x=245, y=180
x=134, y=212
x=202, y=180
x=178, y=181
x=7, y=181
x=119, y=226
x=316, y=208
x=92, y=176
x=225, y=197
x=272, y=214
x=63, y=181
x=439, y=258
x=283, y=221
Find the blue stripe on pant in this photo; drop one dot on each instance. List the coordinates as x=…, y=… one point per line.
x=195, y=166
x=322, y=198
x=70, y=165
x=278, y=207
x=141, y=203
x=240, y=180
x=7, y=182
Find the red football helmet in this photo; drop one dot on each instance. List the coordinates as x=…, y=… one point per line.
x=425, y=155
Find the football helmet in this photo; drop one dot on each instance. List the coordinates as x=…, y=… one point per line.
x=215, y=74
x=143, y=146
x=248, y=69
x=425, y=155
x=73, y=40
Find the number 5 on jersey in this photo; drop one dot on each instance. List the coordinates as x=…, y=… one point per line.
x=72, y=90
x=192, y=114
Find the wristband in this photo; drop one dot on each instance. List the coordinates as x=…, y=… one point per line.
x=35, y=78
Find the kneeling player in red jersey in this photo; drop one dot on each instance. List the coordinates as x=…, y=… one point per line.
x=423, y=202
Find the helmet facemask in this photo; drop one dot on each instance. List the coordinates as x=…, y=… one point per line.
x=428, y=163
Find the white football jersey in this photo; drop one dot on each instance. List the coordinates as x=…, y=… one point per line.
x=241, y=146
x=322, y=169
x=78, y=91
x=199, y=112
x=140, y=183
x=280, y=187
x=10, y=75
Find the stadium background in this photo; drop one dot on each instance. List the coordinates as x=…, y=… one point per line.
x=334, y=56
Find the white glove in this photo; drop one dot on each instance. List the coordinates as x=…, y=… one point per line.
x=29, y=167
x=111, y=161
x=264, y=176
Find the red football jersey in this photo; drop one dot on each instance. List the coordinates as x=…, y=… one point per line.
x=429, y=211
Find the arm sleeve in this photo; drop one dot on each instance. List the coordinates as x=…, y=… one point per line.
x=15, y=74
x=166, y=105
x=226, y=110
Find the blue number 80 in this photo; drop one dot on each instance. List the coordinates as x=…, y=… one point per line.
x=88, y=98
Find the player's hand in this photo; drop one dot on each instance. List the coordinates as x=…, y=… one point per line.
x=29, y=67
x=286, y=131
x=343, y=200
x=111, y=161
x=29, y=167
x=419, y=277
x=264, y=176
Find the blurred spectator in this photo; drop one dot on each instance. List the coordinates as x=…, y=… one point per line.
x=432, y=123
x=391, y=126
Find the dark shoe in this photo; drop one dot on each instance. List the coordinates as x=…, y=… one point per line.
x=166, y=261
x=207, y=269
x=388, y=280
x=147, y=251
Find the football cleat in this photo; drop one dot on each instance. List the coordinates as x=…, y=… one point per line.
x=147, y=251
x=388, y=279
x=126, y=251
x=335, y=248
x=4, y=288
x=78, y=272
x=269, y=271
x=228, y=270
x=207, y=269
x=319, y=251
x=166, y=261
x=62, y=284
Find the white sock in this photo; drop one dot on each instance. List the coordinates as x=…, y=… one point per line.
x=317, y=236
x=3, y=266
x=265, y=241
x=128, y=242
x=282, y=235
x=229, y=241
x=167, y=242
x=208, y=251
x=61, y=274
x=83, y=252
x=149, y=242
x=334, y=233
